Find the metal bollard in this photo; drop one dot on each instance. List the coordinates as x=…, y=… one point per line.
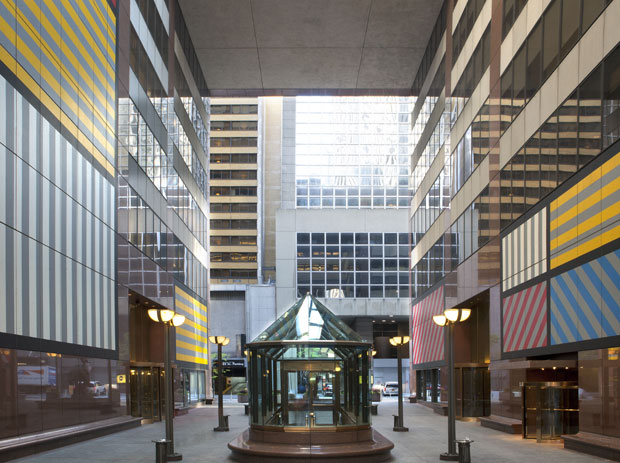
x=161, y=450
x=464, y=450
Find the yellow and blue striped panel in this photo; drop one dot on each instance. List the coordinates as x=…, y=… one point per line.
x=191, y=338
x=585, y=301
x=64, y=52
x=587, y=216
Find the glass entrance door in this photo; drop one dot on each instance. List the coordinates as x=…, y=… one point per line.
x=550, y=410
x=146, y=388
x=310, y=399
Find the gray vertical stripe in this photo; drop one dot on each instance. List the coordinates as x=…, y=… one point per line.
x=52, y=295
x=39, y=299
x=25, y=285
x=3, y=273
x=10, y=289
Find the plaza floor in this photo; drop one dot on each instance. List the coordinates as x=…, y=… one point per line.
x=426, y=439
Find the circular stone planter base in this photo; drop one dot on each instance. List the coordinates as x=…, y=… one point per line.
x=373, y=448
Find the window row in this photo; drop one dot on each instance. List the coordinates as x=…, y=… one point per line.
x=233, y=207
x=548, y=43
x=360, y=250
x=188, y=153
x=249, y=126
x=234, y=109
x=476, y=67
x=510, y=12
x=235, y=142
x=233, y=257
x=358, y=278
x=233, y=191
x=241, y=224
x=437, y=140
x=430, y=51
x=156, y=26
x=353, y=238
x=233, y=175
x=354, y=291
x=233, y=240
x=233, y=274
x=350, y=265
x=436, y=200
x=233, y=158
x=143, y=68
x=188, y=50
x=465, y=25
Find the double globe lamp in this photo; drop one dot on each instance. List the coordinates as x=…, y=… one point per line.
x=449, y=318
x=168, y=318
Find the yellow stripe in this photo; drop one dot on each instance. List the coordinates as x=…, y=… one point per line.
x=586, y=225
x=102, y=40
x=193, y=347
x=102, y=59
x=104, y=21
x=189, y=358
x=192, y=310
x=189, y=334
x=584, y=248
x=34, y=87
x=71, y=57
x=582, y=185
x=196, y=325
x=196, y=301
x=74, y=41
x=581, y=205
x=50, y=78
x=611, y=164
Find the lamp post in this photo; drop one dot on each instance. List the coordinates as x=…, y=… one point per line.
x=220, y=341
x=448, y=319
x=399, y=341
x=168, y=318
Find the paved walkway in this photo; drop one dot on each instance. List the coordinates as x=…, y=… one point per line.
x=426, y=439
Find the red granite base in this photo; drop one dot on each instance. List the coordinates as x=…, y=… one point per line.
x=367, y=446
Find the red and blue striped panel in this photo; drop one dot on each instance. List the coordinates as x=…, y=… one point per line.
x=525, y=318
x=426, y=337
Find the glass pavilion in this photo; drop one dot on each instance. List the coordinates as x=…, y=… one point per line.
x=309, y=371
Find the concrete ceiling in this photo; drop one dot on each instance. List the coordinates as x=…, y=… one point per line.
x=294, y=47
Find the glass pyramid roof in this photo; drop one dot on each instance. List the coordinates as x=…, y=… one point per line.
x=308, y=320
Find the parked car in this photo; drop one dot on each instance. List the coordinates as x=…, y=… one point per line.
x=96, y=388
x=390, y=388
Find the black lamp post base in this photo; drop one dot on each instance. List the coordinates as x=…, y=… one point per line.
x=449, y=456
x=401, y=429
x=174, y=457
x=221, y=429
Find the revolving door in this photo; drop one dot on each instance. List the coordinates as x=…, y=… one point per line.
x=550, y=409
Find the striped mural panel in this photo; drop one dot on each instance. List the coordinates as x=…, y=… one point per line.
x=427, y=339
x=191, y=338
x=585, y=301
x=587, y=216
x=524, y=251
x=63, y=51
x=525, y=318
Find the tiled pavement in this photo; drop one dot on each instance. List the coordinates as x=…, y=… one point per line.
x=426, y=439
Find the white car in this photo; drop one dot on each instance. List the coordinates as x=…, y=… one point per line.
x=96, y=388
x=390, y=388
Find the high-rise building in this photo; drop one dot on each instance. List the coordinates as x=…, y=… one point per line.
x=235, y=191
x=515, y=213
x=341, y=225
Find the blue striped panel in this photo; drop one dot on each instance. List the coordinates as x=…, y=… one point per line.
x=585, y=301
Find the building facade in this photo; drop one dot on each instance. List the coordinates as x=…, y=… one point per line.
x=58, y=325
x=163, y=176
x=514, y=212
